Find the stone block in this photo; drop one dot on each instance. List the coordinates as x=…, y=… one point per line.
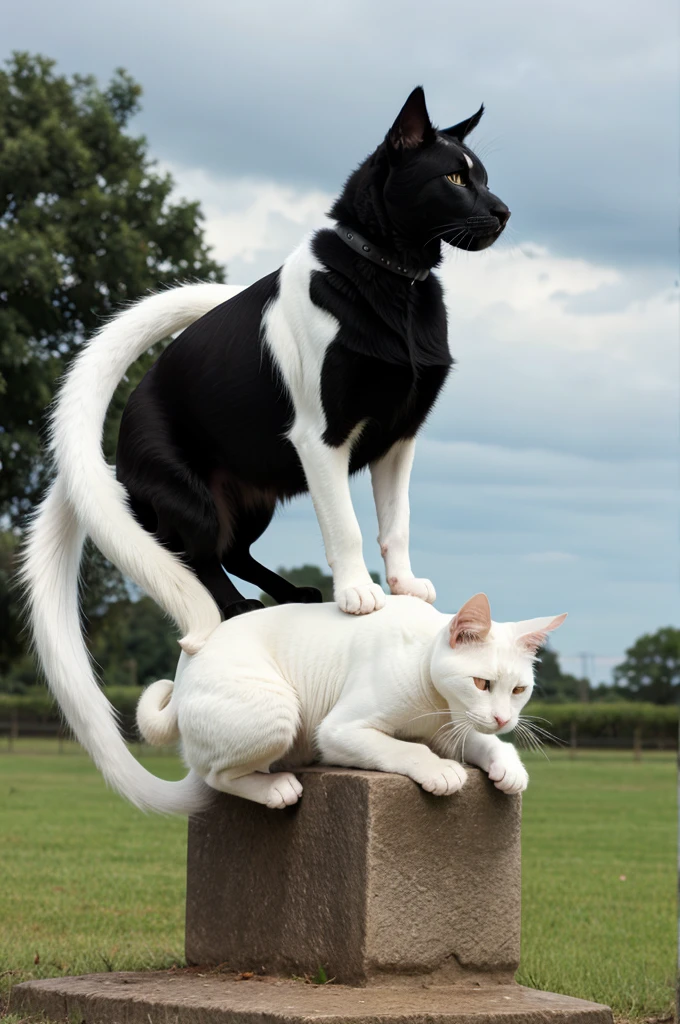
x=368, y=877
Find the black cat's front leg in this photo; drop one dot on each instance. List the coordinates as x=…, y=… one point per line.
x=390, y=477
x=327, y=472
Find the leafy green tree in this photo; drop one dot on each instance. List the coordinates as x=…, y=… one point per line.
x=87, y=225
x=11, y=646
x=134, y=644
x=554, y=685
x=651, y=670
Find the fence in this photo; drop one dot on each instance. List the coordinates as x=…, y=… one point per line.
x=621, y=725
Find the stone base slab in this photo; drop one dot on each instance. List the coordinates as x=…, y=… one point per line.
x=189, y=997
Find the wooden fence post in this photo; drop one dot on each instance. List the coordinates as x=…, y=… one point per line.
x=13, y=730
x=637, y=743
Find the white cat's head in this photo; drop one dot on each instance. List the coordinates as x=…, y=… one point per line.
x=486, y=669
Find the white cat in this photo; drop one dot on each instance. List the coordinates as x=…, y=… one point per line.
x=412, y=691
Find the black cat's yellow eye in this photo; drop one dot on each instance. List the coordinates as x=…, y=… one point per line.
x=481, y=684
x=455, y=179
x=519, y=689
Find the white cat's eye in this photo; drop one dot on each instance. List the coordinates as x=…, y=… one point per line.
x=519, y=689
x=481, y=684
x=455, y=179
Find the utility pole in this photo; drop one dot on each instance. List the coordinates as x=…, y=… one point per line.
x=585, y=684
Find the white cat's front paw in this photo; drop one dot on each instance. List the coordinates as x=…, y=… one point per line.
x=360, y=600
x=284, y=791
x=508, y=778
x=412, y=587
x=442, y=778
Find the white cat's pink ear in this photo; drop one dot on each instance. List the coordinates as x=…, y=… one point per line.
x=533, y=633
x=472, y=623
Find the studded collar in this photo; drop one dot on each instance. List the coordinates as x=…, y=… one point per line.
x=382, y=257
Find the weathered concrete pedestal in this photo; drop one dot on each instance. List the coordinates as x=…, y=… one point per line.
x=409, y=903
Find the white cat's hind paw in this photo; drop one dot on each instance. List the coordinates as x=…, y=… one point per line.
x=509, y=780
x=445, y=778
x=276, y=790
x=413, y=587
x=361, y=600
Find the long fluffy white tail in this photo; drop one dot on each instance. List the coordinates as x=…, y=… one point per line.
x=99, y=500
x=156, y=714
x=50, y=572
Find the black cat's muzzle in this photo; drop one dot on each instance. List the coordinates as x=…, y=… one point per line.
x=483, y=231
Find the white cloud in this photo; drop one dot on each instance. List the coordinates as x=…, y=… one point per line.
x=251, y=225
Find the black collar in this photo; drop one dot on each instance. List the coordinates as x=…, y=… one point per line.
x=380, y=256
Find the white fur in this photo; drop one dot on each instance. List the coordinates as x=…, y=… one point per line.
x=51, y=570
x=86, y=498
x=388, y=692
x=390, y=477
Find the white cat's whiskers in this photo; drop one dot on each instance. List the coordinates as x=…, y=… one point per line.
x=538, y=731
x=477, y=719
x=453, y=721
x=530, y=741
x=456, y=736
x=429, y=714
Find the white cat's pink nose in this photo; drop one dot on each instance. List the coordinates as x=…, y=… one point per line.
x=501, y=721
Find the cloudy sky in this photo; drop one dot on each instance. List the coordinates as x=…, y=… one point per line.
x=548, y=474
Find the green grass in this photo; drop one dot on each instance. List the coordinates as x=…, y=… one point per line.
x=599, y=879
x=90, y=884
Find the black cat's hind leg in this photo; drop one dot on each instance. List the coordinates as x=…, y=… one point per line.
x=241, y=563
x=237, y=559
x=231, y=601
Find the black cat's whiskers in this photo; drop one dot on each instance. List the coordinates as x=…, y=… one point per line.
x=442, y=231
x=486, y=146
x=509, y=243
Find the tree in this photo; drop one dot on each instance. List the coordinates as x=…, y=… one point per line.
x=86, y=225
x=554, y=685
x=11, y=646
x=135, y=644
x=651, y=670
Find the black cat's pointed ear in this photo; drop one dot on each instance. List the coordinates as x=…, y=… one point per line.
x=459, y=131
x=412, y=127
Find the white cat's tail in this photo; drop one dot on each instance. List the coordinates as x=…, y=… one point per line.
x=99, y=500
x=156, y=714
x=50, y=571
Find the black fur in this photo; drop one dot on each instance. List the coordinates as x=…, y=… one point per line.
x=202, y=449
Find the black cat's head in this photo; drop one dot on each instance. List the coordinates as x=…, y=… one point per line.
x=422, y=186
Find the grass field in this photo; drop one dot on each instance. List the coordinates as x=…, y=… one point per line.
x=90, y=884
